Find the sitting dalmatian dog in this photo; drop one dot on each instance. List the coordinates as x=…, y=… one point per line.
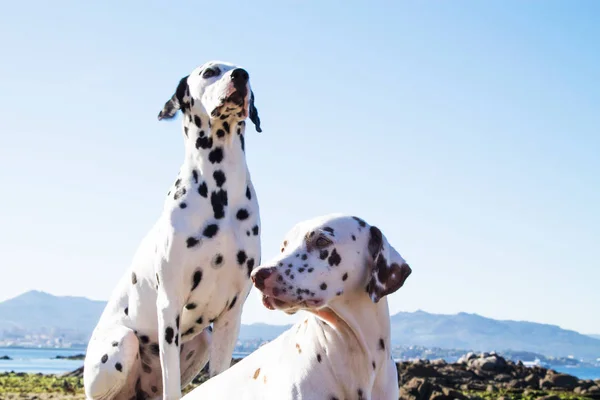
x=339, y=269
x=192, y=270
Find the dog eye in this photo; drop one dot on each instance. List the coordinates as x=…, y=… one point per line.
x=210, y=72
x=322, y=242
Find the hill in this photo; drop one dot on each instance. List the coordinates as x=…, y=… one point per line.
x=474, y=332
x=74, y=318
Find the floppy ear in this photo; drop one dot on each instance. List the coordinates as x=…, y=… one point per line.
x=254, y=113
x=388, y=270
x=176, y=102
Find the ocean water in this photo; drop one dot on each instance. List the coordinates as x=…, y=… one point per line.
x=43, y=360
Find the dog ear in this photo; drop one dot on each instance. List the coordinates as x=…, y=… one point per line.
x=176, y=102
x=388, y=270
x=254, y=113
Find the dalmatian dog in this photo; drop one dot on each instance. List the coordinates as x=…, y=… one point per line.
x=179, y=304
x=340, y=270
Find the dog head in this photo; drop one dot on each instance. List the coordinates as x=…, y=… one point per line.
x=219, y=90
x=323, y=258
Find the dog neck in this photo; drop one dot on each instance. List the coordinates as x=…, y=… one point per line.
x=212, y=144
x=361, y=323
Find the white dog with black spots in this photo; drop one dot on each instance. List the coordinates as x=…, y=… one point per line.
x=340, y=270
x=192, y=270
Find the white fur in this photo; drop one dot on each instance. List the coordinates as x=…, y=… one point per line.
x=342, y=350
x=156, y=357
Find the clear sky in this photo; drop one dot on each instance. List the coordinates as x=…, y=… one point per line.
x=469, y=132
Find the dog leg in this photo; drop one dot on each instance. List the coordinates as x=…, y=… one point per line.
x=111, y=365
x=195, y=356
x=169, y=304
x=226, y=330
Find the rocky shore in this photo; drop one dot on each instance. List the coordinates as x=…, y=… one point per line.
x=474, y=376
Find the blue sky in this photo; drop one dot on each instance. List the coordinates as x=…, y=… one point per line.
x=469, y=132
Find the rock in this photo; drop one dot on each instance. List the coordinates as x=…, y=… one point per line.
x=533, y=381
x=466, y=357
x=516, y=384
x=438, y=362
x=453, y=394
x=491, y=389
x=489, y=363
x=502, y=378
x=5, y=357
x=562, y=381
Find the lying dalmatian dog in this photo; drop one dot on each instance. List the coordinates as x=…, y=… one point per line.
x=339, y=269
x=193, y=268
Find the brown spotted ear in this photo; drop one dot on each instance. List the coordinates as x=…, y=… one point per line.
x=388, y=270
x=176, y=102
x=254, y=113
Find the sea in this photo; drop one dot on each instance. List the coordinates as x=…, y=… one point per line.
x=43, y=360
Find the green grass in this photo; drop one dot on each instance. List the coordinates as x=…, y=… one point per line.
x=518, y=396
x=38, y=383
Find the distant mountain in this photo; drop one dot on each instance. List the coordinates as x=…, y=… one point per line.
x=474, y=332
x=75, y=317
x=594, y=336
x=41, y=313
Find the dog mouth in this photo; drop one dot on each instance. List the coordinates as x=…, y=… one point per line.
x=290, y=307
x=235, y=101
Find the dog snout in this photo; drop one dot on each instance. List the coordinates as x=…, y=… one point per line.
x=260, y=276
x=239, y=76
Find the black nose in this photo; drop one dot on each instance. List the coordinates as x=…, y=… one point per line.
x=239, y=75
x=260, y=277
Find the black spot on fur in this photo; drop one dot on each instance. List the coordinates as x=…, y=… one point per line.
x=323, y=286
x=177, y=340
x=169, y=333
x=304, y=257
x=191, y=242
x=353, y=237
x=182, y=205
x=154, y=389
x=147, y=369
x=323, y=254
x=218, y=200
x=360, y=222
x=360, y=394
x=144, y=339
x=374, y=365
x=203, y=190
x=210, y=230
x=233, y=301
x=242, y=214
x=248, y=193
x=335, y=258
x=179, y=193
x=220, y=133
x=319, y=358
x=345, y=276
x=104, y=359
x=197, y=121
x=241, y=257
x=185, y=131
x=177, y=182
x=119, y=367
x=155, y=349
x=226, y=127
x=115, y=344
x=126, y=310
x=177, y=322
x=328, y=229
x=195, y=175
x=190, y=306
x=219, y=177
x=200, y=320
x=133, y=278
x=196, y=279
x=250, y=265
x=310, y=270
x=255, y=230
x=188, y=332
x=204, y=142
x=219, y=259
x=216, y=155
x=381, y=344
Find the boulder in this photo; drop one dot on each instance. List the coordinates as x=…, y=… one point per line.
x=532, y=381
x=466, y=357
x=562, y=381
